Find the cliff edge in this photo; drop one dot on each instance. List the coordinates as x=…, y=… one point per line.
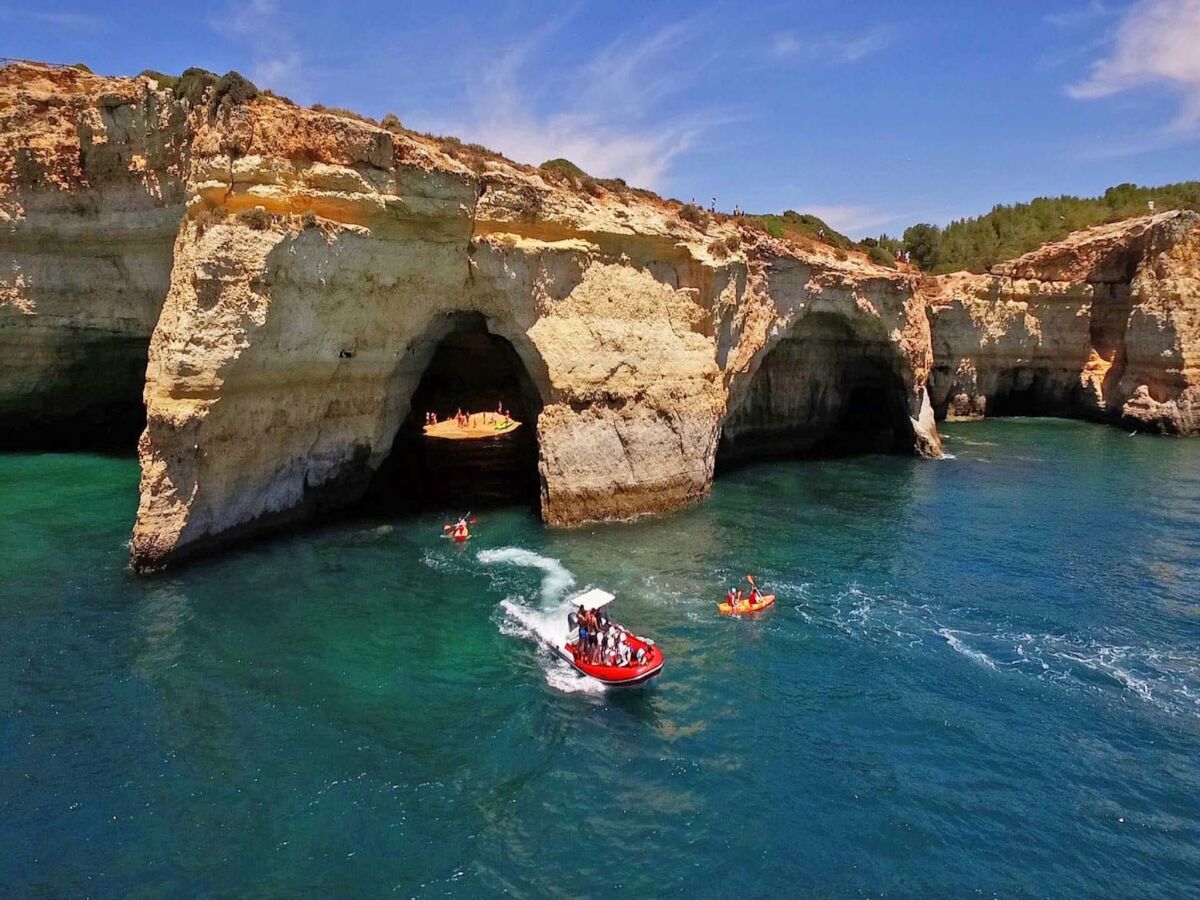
x=1104, y=325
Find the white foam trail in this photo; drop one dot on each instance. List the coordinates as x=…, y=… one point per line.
x=546, y=624
x=959, y=647
x=556, y=578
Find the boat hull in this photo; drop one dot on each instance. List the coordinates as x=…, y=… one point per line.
x=745, y=609
x=617, y=676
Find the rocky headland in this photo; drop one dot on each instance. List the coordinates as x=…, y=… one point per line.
x=289, y=280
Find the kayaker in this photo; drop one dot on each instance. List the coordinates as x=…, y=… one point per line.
x=754, y=595
x=731, y=597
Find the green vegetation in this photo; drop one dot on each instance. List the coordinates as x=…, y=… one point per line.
x=234, y=89
x=564, y=167
x=193, y=83
x=690, y=212
x=881, y=256
x=391, y=122
x=793, y=224
x=1008, y=231
x=164, y=80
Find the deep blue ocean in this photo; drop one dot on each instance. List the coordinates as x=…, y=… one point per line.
x=982, y=677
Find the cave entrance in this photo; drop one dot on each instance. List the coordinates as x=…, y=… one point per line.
x=470, y=369
x=822, y=391
x=90, y=400
x=1026, y=392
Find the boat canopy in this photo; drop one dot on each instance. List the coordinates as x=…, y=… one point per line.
x=594, y=599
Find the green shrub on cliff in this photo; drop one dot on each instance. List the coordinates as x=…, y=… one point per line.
x=793, y=224
x=881, y=256
x=234, y=89
x=193, y=83
x=564, y=167
x=690, y=212
x=164, y=80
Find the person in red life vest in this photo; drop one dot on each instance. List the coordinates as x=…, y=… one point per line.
x=731, y=598
x=754, y=595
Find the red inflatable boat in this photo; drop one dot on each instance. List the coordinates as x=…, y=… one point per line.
x=614, y=675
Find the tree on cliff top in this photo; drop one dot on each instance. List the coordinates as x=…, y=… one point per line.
x=1009, y=231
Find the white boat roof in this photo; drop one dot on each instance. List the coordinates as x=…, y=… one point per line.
x=594, y=599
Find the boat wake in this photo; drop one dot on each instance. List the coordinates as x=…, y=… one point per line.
x=544, y=622
x=1168, y=680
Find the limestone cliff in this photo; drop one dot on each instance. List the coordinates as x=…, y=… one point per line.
x=322, y=260
x=91, y=195
x=301, y=277
x=1103, y=325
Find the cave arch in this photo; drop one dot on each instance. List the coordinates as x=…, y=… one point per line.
x=824, y=389
x=464, y=362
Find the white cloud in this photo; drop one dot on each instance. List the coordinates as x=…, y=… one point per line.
x=606, y=112
x=275, y=61
x=1157, y=43
x=67, y=19
x=832, y=48
x=855, y=221
x=1079, y=15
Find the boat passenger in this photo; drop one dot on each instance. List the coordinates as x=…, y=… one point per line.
x=731, y=597
x=754, y=595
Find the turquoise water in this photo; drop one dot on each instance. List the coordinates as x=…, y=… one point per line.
x=983, y=676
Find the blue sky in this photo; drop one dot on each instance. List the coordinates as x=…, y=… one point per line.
x=874, y=115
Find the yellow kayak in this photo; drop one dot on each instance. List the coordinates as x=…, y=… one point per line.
x=745, y=607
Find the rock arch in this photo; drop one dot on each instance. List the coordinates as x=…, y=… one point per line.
x=463, y=362
x=828, y=386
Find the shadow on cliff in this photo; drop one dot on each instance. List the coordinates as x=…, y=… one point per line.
x=824, y=390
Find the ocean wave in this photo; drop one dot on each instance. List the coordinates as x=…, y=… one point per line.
x=1167, y=679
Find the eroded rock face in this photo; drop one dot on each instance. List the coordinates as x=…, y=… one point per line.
x=1104, y=325
x=321, y=261
x=91, y=196
x=300, y=270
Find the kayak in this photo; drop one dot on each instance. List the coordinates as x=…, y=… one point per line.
x=744, y=608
